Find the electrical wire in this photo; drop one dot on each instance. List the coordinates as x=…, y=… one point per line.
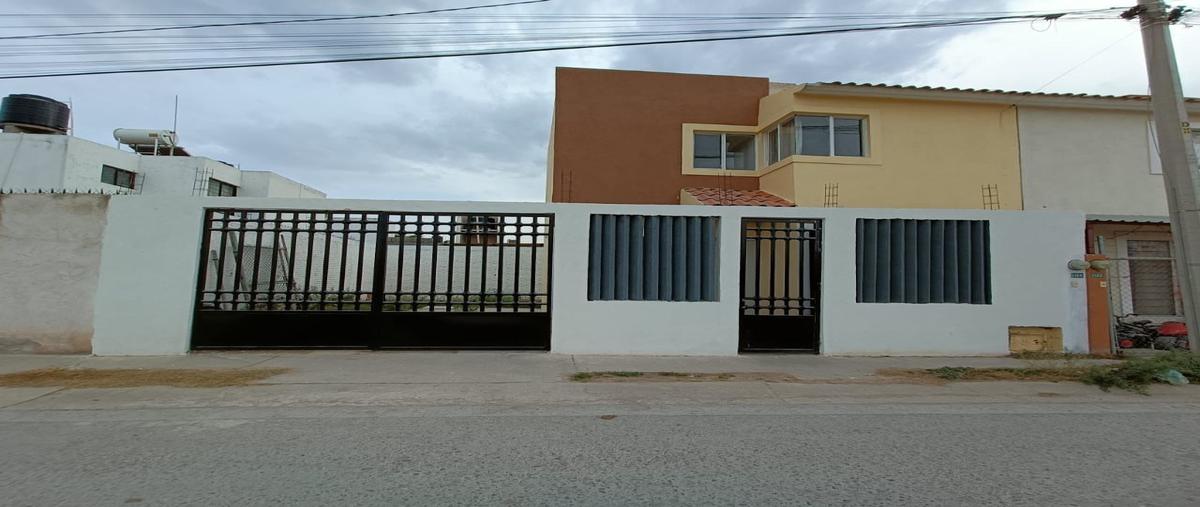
x=273, y=22
x=473, y=41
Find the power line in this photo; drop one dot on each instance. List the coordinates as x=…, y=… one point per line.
x=262, y=61
x=891, y=14
x=272, y=22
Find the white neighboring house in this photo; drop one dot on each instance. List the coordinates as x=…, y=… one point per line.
x=37, y=154
x=61, y=162
x=1098, y=155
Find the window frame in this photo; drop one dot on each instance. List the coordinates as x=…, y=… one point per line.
x=117, y=174
x=725, y=150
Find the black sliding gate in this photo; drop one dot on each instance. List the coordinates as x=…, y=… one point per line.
x=373, y=279
x=781, y=285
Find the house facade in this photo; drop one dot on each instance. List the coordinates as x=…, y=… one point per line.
x=1102, y=160
x=876, y=146
x=812, y=145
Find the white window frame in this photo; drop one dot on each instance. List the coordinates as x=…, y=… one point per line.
x=774, y=134
x=724, y=151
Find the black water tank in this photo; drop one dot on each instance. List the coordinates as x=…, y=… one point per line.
x=35, y=110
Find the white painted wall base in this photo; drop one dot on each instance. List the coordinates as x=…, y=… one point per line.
x=144, y=303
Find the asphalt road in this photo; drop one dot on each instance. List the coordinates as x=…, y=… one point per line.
x=962, y=454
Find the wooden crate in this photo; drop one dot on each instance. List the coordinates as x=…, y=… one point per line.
x=1035, y=339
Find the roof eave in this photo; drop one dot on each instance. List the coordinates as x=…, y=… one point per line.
x=1018, y=99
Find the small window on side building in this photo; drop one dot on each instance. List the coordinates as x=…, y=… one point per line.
x=117, y=176
x=218, y=188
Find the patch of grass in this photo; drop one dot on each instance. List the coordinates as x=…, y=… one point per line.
x=949, y=372
x=964, y=374
x=1138, y=373
x=1059, y=356
x=85, y=378
x=675, y=376
x=1135, y=374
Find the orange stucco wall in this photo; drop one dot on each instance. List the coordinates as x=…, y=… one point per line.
x=616, y=133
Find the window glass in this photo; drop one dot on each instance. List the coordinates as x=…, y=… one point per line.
x=118, y=177
x=219, y=188
x=773, y=146
x=739, y=152
x=706, y=150
x=787, y=138
x=814, y=135
x=1151, y=277
x=847, y=137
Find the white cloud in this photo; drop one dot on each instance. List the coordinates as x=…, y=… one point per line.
x=1030, y=56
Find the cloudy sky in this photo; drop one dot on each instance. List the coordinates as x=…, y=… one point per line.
x=476, y=128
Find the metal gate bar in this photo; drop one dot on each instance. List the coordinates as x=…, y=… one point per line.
x=780, y=284
x=373, y=279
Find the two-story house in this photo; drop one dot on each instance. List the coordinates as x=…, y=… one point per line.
x=649, y=137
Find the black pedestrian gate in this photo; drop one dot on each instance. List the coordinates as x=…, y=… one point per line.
x=373, y=279
x=781, y=285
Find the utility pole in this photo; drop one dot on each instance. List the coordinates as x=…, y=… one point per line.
x=1179, y=167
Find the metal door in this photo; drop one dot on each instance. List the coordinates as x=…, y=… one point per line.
x=780, y=285
x=373, y=279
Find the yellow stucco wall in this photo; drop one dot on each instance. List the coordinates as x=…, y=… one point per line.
x=921, y=154
x=779, y=182
x=686, y=198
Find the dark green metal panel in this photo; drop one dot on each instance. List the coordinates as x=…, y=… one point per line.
x=923, y=261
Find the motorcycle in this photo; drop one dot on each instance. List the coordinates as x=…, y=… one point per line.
x=1144, y=334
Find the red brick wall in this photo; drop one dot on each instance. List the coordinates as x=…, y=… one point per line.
x=617, y=134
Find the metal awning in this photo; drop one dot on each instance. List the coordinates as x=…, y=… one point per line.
x=1130, y=219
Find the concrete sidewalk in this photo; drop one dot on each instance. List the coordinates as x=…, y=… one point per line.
x=524, y=380
x=425, y=367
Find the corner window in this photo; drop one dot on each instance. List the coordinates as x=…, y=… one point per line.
x=119, y=177
x=218, y=188
x=723, y=151
x=819, y=136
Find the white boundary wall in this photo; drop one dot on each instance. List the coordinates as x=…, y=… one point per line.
x=152, y=244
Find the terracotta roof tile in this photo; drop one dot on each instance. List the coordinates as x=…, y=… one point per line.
x=729, y=197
